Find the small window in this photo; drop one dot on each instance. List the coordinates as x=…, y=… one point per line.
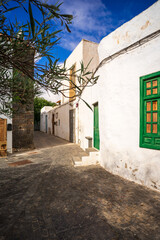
x=150, y=111
x=9, y=127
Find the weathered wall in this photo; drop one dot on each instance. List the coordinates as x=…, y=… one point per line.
x=139, y=27
x=23, y=127
x=119, y=102
x=23, y=115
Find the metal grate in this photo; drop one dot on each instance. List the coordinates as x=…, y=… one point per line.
x=19, y=163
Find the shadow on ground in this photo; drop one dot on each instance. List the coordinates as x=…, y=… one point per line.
x=51, y=199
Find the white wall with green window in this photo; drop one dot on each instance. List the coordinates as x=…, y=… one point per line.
x=130, y=96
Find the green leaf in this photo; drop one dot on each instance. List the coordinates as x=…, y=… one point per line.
x=10, y=9
x=37, y=22
x=67, y=16
x=67, y=28
x=82, y=67
x=32, y=23
x=87, y=104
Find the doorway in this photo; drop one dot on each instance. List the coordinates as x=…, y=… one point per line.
x=3, y=137
x=72, y=126
x=96, y=127
x=46, y=122
x=53, y=124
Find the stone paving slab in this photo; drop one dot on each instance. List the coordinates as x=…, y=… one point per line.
x=50, y=199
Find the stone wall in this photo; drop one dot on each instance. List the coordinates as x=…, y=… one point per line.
x=23, y=107
x=23, y=127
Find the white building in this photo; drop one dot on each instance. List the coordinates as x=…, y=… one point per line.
x=44, y=119
x=130, y=92
x=69, y=120
x=125, y=123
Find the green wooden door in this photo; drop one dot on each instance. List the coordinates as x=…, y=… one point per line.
x=46, y=123
x=96, y=127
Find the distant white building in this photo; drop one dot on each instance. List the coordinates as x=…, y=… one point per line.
x=44, y=119
x=125, y=122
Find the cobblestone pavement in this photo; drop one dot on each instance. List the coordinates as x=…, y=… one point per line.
x=50, y=199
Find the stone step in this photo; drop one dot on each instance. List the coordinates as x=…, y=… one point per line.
x=89, y=150
x=91, y=157
x=83, y=153
x=77, y=161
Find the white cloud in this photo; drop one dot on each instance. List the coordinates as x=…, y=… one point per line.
x=89, y=14
x=37, y=57
x=92, y=21
x=49, y=96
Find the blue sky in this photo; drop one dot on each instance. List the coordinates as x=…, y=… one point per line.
x=93, y=20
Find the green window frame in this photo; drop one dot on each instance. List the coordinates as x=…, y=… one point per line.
x=150, y=111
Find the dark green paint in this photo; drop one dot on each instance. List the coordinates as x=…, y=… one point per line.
x=149, y=140
x=96, y=127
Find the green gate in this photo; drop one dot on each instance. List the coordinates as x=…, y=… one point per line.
x=96, y=127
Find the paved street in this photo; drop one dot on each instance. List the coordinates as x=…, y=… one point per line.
x=48, y=198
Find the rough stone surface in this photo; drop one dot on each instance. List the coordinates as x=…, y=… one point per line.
x=50, y=199
x=23, y=114
x=23, y=127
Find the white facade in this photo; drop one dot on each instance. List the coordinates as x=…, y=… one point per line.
x=9, y=133
x=44, y=119
x=82, y=115
x=60, y=114
x=120, y=97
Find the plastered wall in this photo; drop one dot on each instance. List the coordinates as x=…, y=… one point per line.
x=120, y=99
x=85, y=51
x=61, y=118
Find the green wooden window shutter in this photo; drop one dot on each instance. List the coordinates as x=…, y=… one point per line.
x=150, y=111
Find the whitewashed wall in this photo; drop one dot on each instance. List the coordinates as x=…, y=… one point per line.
x=43, y=114
x=85, y=51
x=90, y=95
x=61, y=117
x=62, y=111
x=9, y=134
x=119, y=101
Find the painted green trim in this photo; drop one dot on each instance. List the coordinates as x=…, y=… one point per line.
x=149, y=76
x=149, y=140
x=96, y=127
